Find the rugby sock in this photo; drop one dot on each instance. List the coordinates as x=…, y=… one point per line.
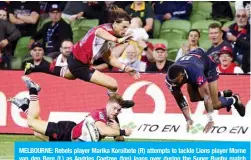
x=227, y=102
x=25, y=108
x=110, y=92
x=33, y=91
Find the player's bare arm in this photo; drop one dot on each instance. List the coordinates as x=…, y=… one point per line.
x=105, y=130
x=205, y=93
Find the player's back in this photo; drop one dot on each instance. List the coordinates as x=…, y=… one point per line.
x=91, y=45
x=194, y=59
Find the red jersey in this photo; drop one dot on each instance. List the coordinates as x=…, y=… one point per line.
x=82, y=132
x=91, y=47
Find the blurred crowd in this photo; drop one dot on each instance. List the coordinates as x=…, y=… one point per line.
x=44, y=32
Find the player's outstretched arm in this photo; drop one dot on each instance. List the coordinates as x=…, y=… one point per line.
x=109, y=37
x=115, y=63
x=205, y=93
x=105, y=130
x=183, y=107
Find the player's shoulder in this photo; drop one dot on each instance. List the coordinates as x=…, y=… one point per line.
x=106, y=26
x=99, y=114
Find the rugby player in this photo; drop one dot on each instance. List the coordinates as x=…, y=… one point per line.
x=199, y=72
x=91, y=47
x=97, y=125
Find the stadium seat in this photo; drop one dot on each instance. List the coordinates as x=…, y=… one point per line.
x=197, y=16
x=42, y=22
x=173, y=48
x=155, y=41
x=156, y=28
x=204, y=8
x=204, y=24
x=205, y=44
x=79, y=33
x=229, y=23
x=22, y=49
x=232, y=5
x=85, y=23
x=174, y=29
x=15, y=63
x=172, y=53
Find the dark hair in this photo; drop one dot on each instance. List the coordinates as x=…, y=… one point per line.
x=68, y=40
x=173, y=71
x=116, y=98
x=245, y=3
x=194, y=30
x=214, y=25
x=116, y=14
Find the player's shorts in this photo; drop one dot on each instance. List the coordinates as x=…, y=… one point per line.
x=60, y=131
x=211, y=72
x=79, y=69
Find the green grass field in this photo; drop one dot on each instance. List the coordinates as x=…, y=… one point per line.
x=7, y=144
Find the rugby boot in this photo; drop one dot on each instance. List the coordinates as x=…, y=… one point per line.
x=239, y=106
x=30, y=84
x=20, y=103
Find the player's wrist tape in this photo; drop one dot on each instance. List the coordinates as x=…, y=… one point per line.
x=210, y=116
x=122, y=132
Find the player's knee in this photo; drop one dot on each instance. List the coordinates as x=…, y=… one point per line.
x=113, y=85
x=30, y=122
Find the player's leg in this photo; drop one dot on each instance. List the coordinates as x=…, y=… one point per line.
x=193, y=93
x=50, y=69
x=105, y=81
x=41, y=136
x=83, y=72
x=222, y=102
x=33, y=114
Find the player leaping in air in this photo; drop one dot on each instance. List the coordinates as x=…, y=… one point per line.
x=199, y=72
x=97, y=125
x=93, y=46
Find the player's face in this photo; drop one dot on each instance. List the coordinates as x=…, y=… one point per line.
x=225, y=59
x=37, y=53
x=193, y=38
x=121, y=28
x=113, y=110
x=3, y=14
x=241, y=18
x=179, y=80
x=55, y=16
x=215, y=35
x=160, y=54
x=66, y=48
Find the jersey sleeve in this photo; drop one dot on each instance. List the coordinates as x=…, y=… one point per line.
x=99, y=116
x=108, y=28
